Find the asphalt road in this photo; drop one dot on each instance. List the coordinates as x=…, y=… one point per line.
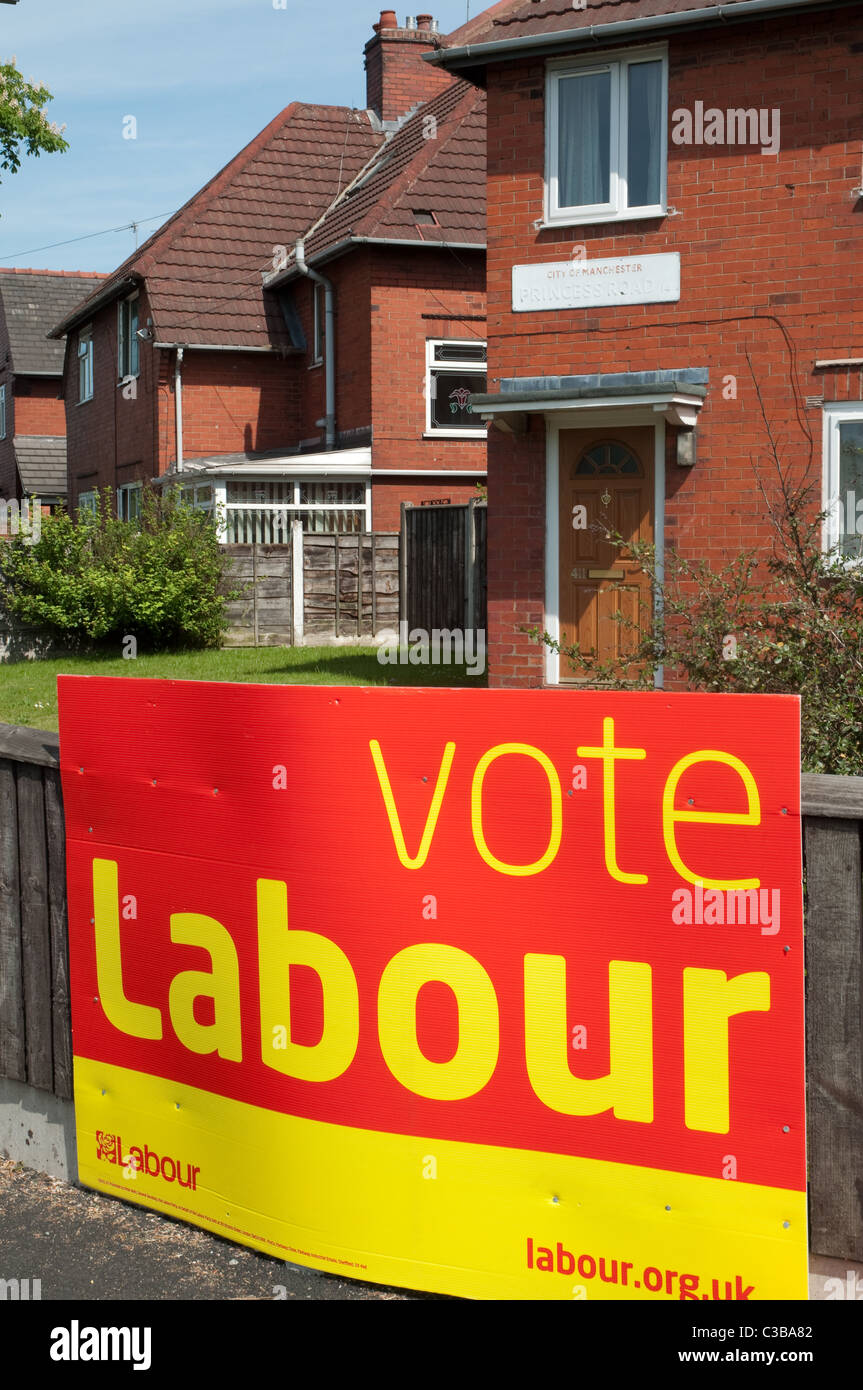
x=81, y=1245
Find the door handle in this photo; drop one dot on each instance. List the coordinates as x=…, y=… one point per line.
x=605, y=574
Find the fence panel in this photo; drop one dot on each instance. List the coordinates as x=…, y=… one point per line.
x=444, y=567
x=834, y=1006
x=35, y=1021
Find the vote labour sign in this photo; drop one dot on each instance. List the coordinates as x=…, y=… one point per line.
x=494, y=993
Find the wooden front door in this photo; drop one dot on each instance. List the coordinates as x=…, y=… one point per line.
x=606, y=480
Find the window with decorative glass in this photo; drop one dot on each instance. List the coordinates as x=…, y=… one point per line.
x=455, y=371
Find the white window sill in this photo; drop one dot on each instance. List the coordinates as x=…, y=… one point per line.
x=85, y=401
x=601, y=218
x=481, y=436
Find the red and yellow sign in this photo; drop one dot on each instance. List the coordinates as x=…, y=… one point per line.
x=493, y=993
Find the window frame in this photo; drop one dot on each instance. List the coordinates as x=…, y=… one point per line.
x=86, y=364
x=125, y=492
x=835, y=413
x=87, y=502
x=431, y=430
x=3, y=410
x=128, y=342
x=616, y=210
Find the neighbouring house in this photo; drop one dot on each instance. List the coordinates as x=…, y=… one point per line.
x=675, y=230
x=302, y=339
x=32, y=414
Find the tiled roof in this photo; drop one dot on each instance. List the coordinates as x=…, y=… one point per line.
x=203, y=268
x=41, y=463
x=421, y=187
x=532, y=17
x=33, y=301
x=469, y=32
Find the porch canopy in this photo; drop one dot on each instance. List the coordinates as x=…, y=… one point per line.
x=675, y=395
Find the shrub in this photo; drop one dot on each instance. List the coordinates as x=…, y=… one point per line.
x=162, y=579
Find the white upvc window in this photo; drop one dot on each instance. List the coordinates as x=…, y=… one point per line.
x=607, y=137
x=129, y=501
x=128, y=341
x=87, y=503
x=85, y=364
x=842, y=494
x=455, y=370
x=3, y=411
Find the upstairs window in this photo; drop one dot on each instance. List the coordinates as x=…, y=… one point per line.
x=606, y=138
x=85, y=364
x=127, y=338
x=455, y=371
x=2, y=412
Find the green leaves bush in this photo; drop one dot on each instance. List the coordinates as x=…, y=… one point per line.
x=94, y=581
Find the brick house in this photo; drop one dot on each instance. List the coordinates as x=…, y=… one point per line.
x=329, y=383
x=32, y=416
x=674, y=236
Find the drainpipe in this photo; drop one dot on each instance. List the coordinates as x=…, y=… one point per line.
x=178, y=406
x=330, y=344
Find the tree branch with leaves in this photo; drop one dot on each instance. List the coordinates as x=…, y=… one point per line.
x=24, y=125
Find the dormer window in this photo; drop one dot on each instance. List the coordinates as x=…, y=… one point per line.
x=606, y=138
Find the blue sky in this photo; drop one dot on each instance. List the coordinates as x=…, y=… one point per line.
x=201, y=78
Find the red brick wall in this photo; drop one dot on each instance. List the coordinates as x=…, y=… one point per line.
x=231, y=402
x=388, y=497
x=111, y=439
x=397, y=79
x=350, y=278
x=417, y=295
x=770, y=249
x=39, y=406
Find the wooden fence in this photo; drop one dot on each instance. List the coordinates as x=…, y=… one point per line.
x=443, y=558
x=314, y=589
x=35, y=1036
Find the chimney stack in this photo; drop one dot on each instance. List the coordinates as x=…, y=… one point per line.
x=397, y=79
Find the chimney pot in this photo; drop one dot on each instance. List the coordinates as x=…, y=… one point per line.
x=387, y=21
x=424, y=21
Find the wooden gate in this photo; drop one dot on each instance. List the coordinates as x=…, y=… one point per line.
x=443, y=582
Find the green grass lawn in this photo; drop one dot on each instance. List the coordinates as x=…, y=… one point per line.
x=28, y=689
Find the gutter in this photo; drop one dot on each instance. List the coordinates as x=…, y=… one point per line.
x=499, y=50
x=274, y=278
x=223, y=347
x=330, y=335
